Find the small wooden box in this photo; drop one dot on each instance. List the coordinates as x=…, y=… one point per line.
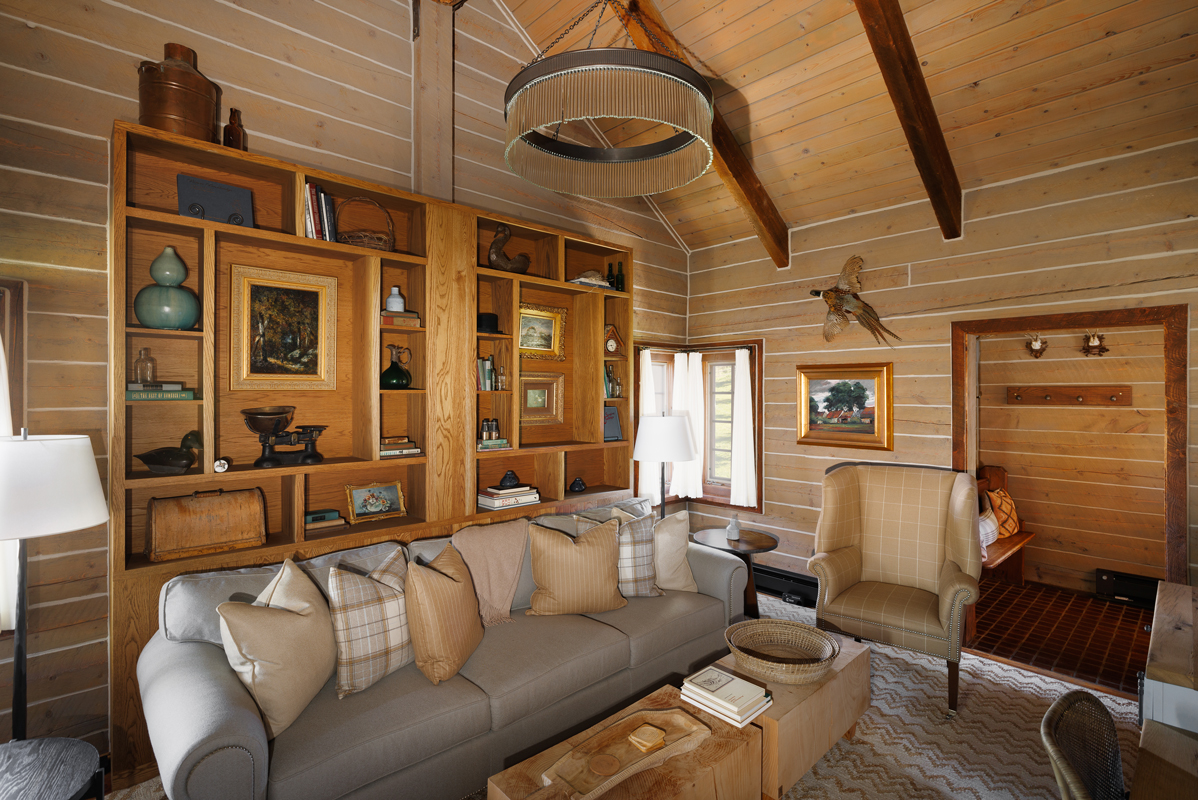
x=205, y=522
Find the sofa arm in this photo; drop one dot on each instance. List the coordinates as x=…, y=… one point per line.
x=836, y=571
x=720, y=575
x=205, y=728
x=957, y=590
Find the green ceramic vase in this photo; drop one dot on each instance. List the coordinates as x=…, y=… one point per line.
x=167, y=305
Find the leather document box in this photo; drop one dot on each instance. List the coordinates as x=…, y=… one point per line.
x=205, y=522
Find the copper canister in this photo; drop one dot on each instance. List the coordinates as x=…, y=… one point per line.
x=174, y=96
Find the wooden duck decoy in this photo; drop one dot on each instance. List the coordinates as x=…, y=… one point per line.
x=173, y=460
x=499, y=260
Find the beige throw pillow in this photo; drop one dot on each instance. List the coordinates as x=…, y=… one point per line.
x=282, y=646
x=443, y=614
x=370, y=623
x=637, y=573
x=575, y=575
x=671, y=540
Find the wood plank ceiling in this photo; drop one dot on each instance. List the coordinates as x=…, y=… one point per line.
x=1020, y=86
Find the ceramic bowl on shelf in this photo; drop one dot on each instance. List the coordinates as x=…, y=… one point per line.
x=268, y=420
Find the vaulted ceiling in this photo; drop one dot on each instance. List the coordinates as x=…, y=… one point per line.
x=1019, y=86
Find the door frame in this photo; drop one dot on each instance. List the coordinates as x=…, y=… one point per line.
x=1175, y=321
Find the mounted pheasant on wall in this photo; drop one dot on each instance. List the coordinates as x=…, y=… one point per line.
x=842, y=300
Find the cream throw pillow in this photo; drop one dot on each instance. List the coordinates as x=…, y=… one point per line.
x=370, y=623
x=443, y=615
x=575, y=575
x=282, y=646
x=671, y=540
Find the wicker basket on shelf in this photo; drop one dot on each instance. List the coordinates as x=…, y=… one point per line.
x=782, y=651
x=371, y=239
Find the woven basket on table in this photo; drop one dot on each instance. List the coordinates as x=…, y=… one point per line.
x=769, y=648
x=371, y=239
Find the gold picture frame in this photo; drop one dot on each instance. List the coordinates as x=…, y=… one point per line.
x=375, y=501
x=282, y=330
x=542, y=398
x=846, y=405
x=541, y=332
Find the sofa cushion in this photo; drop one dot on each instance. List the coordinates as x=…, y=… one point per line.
x=671, y=542
x=187, y=603
x=656, y=625
x=575, y=576
x=443, y=614
x=535, y=661
x=337, y=746
x=370, y=623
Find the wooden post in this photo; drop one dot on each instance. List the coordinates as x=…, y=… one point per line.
x=432, y=129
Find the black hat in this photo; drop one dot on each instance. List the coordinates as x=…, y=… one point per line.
x=488, y=323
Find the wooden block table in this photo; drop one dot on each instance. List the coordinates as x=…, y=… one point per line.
x=807, y=719
x=726, y=766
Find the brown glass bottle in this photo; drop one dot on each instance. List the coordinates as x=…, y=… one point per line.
x=234, y=133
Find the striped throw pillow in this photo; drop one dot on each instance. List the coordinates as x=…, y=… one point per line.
x=1004, y=512
x=370, y=623
x=575, y=575
x=638, y=573
x=443, y=613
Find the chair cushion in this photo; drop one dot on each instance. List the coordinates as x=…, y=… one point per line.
x=890, y=613
x=656, y=625
x=904, y=512
x=443, y=614
x=533, y=662
x=575, y=576
x=337, y=746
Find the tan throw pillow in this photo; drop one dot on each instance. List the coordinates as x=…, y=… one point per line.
x=575, y=575
x=282, y=646
x=370, y=623
x=671, y=540
x=636, y=569
x=443, y=614
x=1004, y=511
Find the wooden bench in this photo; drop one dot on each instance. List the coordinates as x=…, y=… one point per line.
x=1004, y=557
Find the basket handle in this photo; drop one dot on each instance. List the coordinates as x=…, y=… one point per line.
x=341, y=206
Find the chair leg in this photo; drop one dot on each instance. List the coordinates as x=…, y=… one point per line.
x=954, y=675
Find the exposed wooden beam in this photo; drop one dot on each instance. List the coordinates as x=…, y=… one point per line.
x=891, y=43
x=730, y=163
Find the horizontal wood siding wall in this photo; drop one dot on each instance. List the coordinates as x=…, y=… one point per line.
x=489, y=50
x=1088, y=481
x=1120, y=232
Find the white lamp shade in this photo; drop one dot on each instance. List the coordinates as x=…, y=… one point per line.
x=664, y=439
x=48, y=485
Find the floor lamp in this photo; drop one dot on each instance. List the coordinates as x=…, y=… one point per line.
x=48, y=485
x=664, y=438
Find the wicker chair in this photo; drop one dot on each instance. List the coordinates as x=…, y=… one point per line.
x=1082, y=745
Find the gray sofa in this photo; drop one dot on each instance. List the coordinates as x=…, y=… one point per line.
x=528, y=685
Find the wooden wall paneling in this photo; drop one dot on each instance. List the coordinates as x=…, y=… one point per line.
x=367, y=350
x=293, y=489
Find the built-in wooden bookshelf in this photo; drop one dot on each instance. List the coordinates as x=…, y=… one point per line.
x=439, y=264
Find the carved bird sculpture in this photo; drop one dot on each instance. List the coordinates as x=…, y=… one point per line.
x=842, y=300
x=499, y=259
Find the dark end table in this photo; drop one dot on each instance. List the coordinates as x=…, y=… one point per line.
x=750, y=542
x=50, y=769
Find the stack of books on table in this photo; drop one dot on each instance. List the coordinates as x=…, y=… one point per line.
x=732, y=699
x=158, y=391
x=397, y=447
x=519, y=495
x=401, y=319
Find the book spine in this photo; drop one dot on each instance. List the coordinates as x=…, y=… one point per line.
x=332, y=217
x=505, y=502
x=185, y=394
x=325, y=226
x=404, y=452
x=313, y=191
x=309, y=231
x=402, y=322
x=706, y=697
x=157, y=387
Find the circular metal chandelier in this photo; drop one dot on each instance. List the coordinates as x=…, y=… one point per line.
x=615, y=82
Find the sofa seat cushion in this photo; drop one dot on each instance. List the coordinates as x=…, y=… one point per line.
x=533, y=662
x=656, y=625
x=336, y=746
x=890, y=613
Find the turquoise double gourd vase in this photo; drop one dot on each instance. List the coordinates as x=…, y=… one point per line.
x=167, y=305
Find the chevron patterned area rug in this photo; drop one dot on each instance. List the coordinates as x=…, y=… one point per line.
x=906, y=746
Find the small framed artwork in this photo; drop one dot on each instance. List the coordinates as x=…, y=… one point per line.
x=542, y=398
x=375, y=501
x=542, y=332
x=846, y=405
x=283, y=330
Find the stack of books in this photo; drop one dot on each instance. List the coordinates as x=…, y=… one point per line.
x=721, y=694
x=325, y=518
x=158, y=391
x=485, y=374
x=519, y=495
x=486, y=445
x=320, y=216
x=397, y=447
x=401, y=319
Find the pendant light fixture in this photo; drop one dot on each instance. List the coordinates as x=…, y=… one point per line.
x=612, y=82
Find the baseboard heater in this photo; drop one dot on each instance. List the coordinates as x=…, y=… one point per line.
x=790, y=586
x=1122, y=587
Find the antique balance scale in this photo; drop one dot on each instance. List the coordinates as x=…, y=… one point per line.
x=270, y=423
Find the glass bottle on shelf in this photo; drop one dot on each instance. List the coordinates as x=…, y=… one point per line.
x=145, y=368
x=395, y=301
x=619, y=388
x=501, y=380
x=620, y=277
x=234, y=132
x=611, y=276
x=395, y=376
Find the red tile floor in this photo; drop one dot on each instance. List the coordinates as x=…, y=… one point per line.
x=1062, y=632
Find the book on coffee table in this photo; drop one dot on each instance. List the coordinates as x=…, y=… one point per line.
x=739, y=720
x=723, y=690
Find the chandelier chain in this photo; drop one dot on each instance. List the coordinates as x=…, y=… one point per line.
x=603, y=3
x=567, y=30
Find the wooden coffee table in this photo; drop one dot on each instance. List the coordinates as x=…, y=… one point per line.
x=726, y=766
x=807, y=719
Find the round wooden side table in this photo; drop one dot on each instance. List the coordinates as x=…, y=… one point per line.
x=50, y=769
x=750, y=542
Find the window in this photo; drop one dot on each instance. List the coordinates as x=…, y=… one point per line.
x=718, y=458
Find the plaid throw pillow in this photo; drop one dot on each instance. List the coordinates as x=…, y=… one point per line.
x=638, y=575
x=1004, y=511
x=370, y=624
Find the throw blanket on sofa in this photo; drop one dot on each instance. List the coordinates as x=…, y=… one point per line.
x=494, y=555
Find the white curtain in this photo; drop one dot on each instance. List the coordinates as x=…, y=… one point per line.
x=689, y=398
x=8, y=547
x=649, y=484
x=744, y=456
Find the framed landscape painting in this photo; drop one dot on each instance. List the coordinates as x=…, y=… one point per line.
x=283, y=330
x=846, y=405
x=541, y=332
x=542, y=398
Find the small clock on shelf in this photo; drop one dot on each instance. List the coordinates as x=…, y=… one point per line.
x=613, y=345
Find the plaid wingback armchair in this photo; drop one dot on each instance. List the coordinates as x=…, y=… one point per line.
x=898, y=557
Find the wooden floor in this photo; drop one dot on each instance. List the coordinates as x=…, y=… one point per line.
x=1063, y=632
